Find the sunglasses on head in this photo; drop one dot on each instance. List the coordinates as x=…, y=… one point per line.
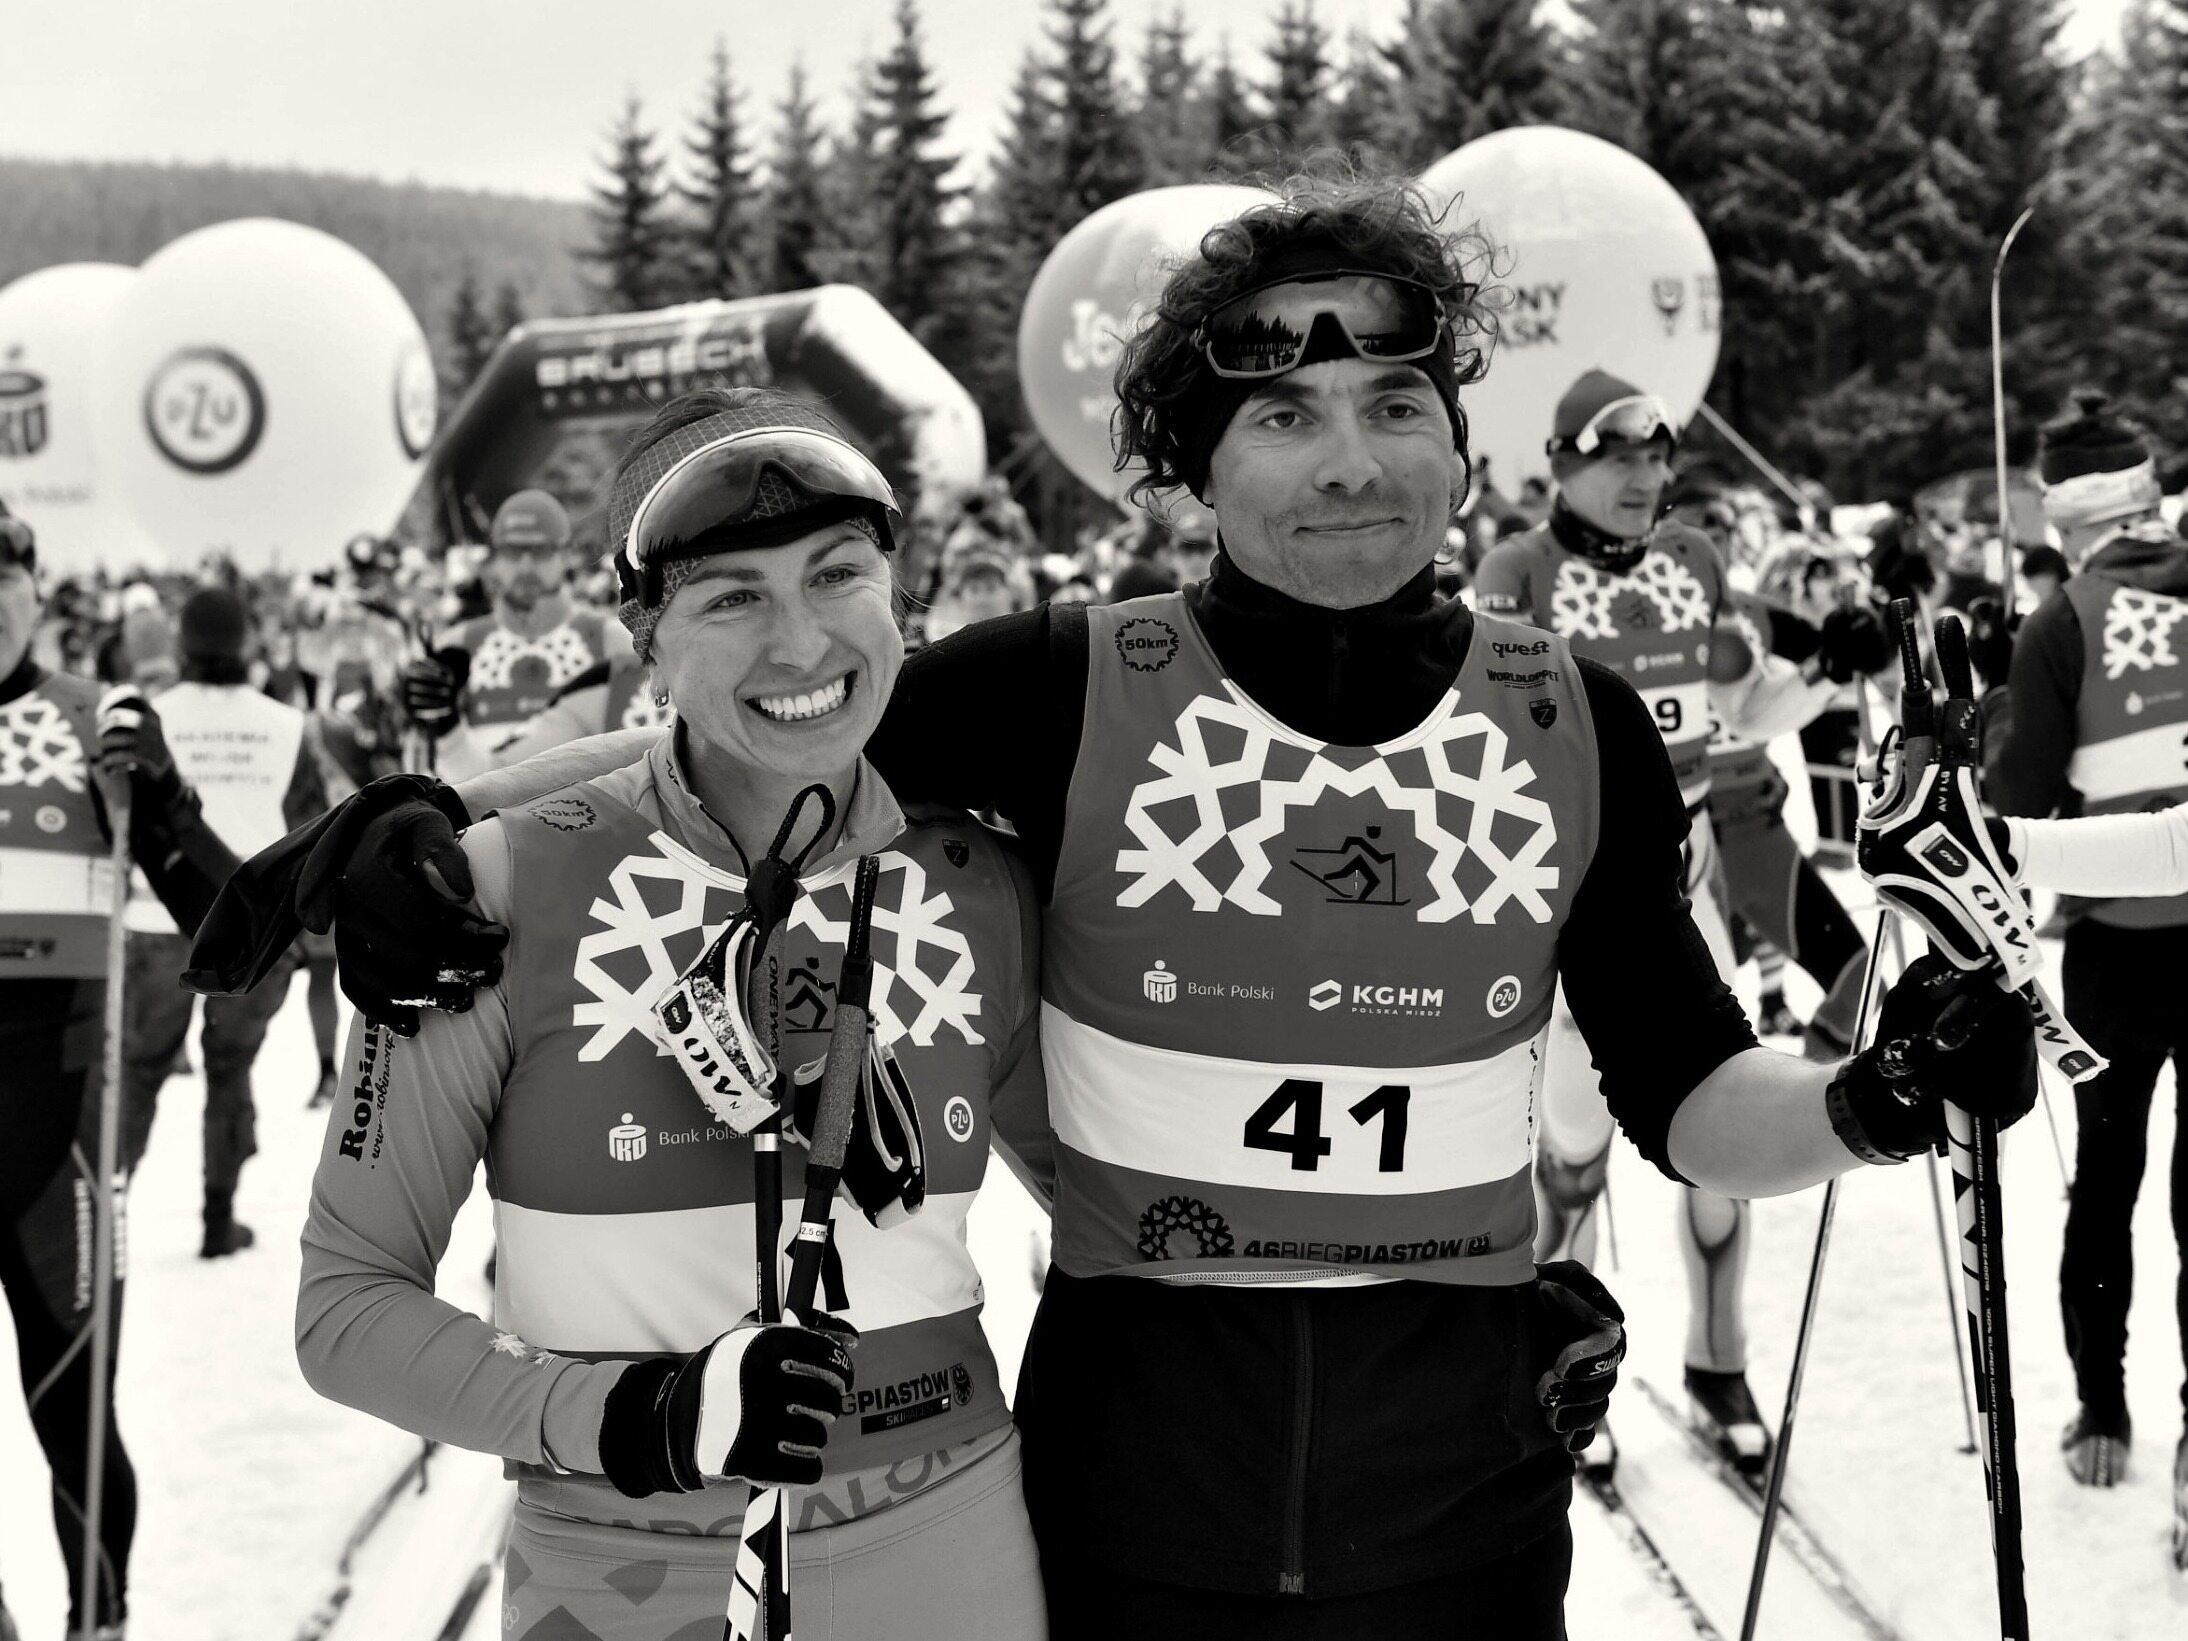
x=1636, y=419
x=1269, y=331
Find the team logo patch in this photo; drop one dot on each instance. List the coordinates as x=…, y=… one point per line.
x=565, y=814
x=1210, y=1231
x=1543, y=710
x=1147, y=645
x=1355, y=873
x=924, y=973
x=957, y=1118
x=954, y=851
x=204, y=410
x=1503, y=997
x=1461, y=771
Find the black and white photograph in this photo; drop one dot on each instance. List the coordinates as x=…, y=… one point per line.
x=1054, y=820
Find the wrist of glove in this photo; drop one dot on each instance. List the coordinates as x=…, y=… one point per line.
x=885, y=1165
x=1577, y=1314
x=133, y=746
x=1943, y=1033
x=389, y=877
x=756, y=1404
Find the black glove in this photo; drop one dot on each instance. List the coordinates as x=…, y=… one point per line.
x=133, y=747
x=1852, y=644
x=392, y=881
x=1579, y=1313
x=757, y=1403
x=432, y=690
x=1943, y=1033
x=885, y=1164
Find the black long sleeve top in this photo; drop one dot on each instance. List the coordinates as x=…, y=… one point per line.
x=1643, y=988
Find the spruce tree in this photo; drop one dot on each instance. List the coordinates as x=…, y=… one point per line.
x=1405, y=70
x=634, y=240
x=1363, y=103
x=1297, y=96
x=1233, y=128
x=1169, y=123
x=1485, y=64
x=917, y=250
x=718, y=232
x=508, y=311
x=471, y=337
x=2124, y=188
x=849, y=252
x=1095, y=155
x=796, y=196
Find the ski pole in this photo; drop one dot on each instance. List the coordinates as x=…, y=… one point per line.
x=1998, y=408
x=1774, y=1488
x=766, y=1510
x=97, y=1571
x=1914, y=723
x=772, y=890
x=1973, y=1145
x=1948, y=1264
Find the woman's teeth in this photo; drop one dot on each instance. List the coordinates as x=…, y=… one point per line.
x=789, y=709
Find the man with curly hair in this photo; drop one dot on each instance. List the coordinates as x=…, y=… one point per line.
x=1313, y=849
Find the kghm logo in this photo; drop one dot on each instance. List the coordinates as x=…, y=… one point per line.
x=1159, y=984
x=627, y=1140
x=1210, y=1231
x=1327, y=995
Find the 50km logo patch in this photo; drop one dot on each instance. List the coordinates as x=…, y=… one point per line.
x=1147, y=645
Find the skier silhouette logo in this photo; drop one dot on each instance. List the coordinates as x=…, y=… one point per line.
x=1358, y=872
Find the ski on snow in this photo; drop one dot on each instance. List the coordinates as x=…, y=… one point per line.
x=1794, y=1533
x=1627, y=1528
x=329, y=1611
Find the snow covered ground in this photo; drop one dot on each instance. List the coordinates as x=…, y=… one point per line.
x=249, y=1481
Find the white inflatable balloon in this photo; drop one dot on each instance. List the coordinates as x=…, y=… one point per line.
x=1088, y=296
x=264, y=392
x=50, y=475
x=1607, y=268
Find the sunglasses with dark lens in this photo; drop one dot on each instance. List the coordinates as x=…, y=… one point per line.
x=1267, y=332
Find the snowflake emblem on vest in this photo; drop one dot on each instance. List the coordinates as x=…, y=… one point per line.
x=1465, y=756
x=924, y=987
x=2138, y=631
x=1661, y=593
x=38, y=746
x=560, y=655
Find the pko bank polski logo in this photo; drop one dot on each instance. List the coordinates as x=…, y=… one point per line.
x=1159, y=984
x=1370, y=997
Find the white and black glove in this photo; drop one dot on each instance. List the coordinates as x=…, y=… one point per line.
x=432, y=690
x=755, y=1404
x=885, y=1168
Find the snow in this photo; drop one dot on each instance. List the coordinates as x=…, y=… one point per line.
x=250, y=1482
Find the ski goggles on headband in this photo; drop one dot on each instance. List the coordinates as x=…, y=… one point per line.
x=710, y=500
x=1634, y=420
x=1269, y=331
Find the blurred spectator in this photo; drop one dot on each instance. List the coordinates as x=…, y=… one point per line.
x=2045, y=570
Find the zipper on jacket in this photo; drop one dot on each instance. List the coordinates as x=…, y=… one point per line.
x=1292, y=1578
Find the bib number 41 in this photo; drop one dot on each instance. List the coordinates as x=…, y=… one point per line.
x=1298, y=1100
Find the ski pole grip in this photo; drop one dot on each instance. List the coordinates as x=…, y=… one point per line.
x=1915, y=714
x=1952, y=658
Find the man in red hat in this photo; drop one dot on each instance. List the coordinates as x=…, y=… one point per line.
x=475, y=693
x=1646, y=595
